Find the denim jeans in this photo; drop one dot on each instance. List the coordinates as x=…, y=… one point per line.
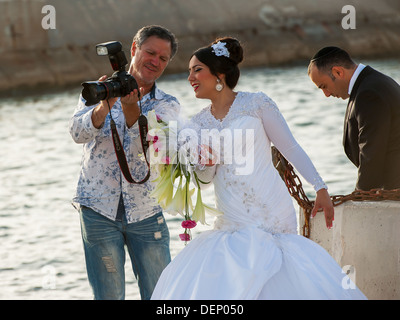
x=104, y=243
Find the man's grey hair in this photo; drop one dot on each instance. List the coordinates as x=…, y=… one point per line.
x=154, y=30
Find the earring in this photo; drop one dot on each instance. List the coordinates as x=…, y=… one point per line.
x=219, y=86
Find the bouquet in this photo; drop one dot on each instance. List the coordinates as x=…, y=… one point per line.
x=176, y=159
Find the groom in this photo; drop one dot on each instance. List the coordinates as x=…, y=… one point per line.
x=371, y=135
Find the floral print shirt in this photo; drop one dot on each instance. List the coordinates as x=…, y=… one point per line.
x=101, y=181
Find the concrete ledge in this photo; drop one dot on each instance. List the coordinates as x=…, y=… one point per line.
x=366, y=236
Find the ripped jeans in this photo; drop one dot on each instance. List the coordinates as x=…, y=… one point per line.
x=104, y=243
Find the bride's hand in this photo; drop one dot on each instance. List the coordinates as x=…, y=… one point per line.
x=206, y=156
x=324, y=202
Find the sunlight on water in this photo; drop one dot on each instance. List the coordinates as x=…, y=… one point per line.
x=41, y=254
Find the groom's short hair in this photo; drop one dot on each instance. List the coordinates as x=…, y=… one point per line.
x=328, y=57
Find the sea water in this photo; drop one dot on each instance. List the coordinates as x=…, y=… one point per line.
x=41, y=253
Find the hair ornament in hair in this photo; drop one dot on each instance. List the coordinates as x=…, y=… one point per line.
x=220, y=49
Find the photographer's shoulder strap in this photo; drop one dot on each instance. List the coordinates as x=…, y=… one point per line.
x=119, y=150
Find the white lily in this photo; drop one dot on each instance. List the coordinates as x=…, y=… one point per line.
x=164, y=185
x=177, y=205
x=199, y=210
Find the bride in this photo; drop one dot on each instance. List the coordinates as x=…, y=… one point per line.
x=254, y=251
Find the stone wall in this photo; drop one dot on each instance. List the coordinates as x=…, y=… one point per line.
x=272, y=31
x=364, y=241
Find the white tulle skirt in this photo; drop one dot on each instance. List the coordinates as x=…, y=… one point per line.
x=251, y=263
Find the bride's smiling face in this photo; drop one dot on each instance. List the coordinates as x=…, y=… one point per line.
x=201, y=79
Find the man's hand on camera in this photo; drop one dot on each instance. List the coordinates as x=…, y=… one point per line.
x=111, y=101
x=130, y=106
x=101, y=110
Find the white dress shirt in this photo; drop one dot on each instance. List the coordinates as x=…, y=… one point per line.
x=355, y=76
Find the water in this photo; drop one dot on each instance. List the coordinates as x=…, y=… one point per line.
x=41, y=255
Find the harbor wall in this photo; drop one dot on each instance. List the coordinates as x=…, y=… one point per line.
x=365, y=242
x=272, y=32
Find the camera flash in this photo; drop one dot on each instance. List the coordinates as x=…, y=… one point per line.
x=102, y=50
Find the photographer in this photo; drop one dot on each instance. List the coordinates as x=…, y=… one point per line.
x=114, y=212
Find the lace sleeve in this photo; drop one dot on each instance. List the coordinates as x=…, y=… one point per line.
x=280, y=135
x=204, y=173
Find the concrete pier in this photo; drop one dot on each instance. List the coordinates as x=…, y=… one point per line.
x=272, y=31
x=365, y=242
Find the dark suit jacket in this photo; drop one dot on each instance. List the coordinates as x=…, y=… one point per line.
x=371, y=136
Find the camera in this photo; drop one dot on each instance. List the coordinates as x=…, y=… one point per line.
x=119, y=84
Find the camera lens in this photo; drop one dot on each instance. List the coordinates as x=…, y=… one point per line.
x=93, y=92
x=112, y=87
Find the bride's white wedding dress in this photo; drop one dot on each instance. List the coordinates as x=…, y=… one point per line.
x=254, y=251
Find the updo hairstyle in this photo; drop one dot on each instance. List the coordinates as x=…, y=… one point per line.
x=222, y=64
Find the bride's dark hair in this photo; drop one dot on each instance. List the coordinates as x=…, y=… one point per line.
x=222, y=64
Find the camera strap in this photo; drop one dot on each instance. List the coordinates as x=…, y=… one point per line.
x=119, y=149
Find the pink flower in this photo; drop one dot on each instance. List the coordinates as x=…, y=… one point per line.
x=158, y=118
x=188, y=224
x=156, y=144
x=166, y=160
x=184, y=236
x=152, y=138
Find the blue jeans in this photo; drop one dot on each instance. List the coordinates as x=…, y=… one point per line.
x=104, y=243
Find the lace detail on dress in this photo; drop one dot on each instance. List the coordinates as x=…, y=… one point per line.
x=256, y=212
x=318, y=183
x=245, y=103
